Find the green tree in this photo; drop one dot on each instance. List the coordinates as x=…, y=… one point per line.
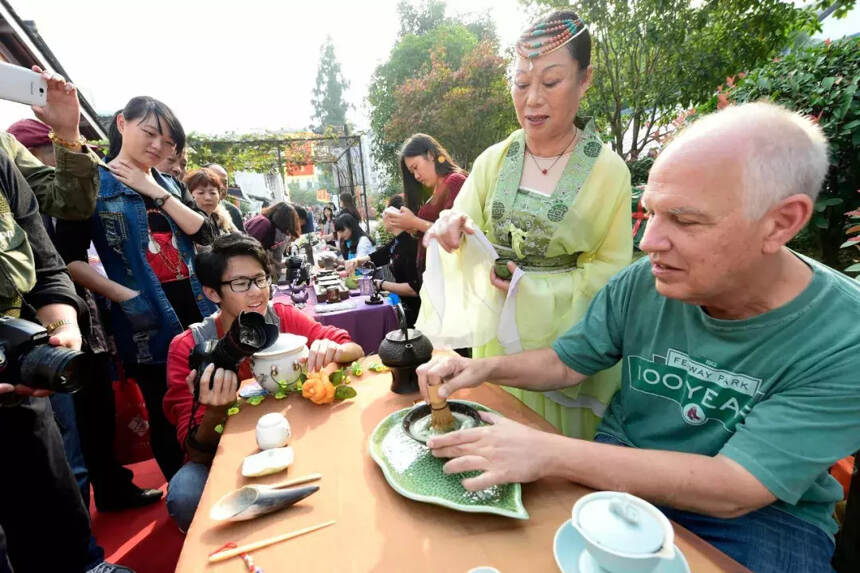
x=467, y=109
x=420, y=17
x=822, y=81
x=652, y=58
x=425, y=30
x=329, y=105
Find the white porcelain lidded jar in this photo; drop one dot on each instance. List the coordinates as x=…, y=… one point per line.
x=622, y=533
x=279, y=365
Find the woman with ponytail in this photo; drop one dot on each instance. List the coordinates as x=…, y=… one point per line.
x=431, y=182
x=144, y=233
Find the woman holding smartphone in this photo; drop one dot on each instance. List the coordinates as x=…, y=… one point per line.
x=144, y=234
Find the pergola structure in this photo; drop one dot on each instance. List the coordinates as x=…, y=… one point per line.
x=345, y=153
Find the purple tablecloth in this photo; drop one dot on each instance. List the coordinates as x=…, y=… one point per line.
x=367, y=324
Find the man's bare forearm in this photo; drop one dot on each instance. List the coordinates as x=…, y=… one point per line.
x=716, y=486
x=538, y=370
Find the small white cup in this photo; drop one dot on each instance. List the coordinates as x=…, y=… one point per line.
x=273, y=431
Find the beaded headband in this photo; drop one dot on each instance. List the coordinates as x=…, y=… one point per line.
x=547, y=37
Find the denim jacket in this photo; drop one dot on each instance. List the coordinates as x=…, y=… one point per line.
x=144, y=325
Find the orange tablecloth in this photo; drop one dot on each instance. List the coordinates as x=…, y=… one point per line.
x=377, y=529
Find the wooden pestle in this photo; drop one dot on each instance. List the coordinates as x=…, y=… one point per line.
x=441, y=417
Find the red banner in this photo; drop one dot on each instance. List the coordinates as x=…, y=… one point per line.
x=299, y=160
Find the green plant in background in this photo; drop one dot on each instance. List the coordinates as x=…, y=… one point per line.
x=652, y=58
x=257, y=152
x=424, y=30
x=853, y=241
x=821, y=81
x=639, y=169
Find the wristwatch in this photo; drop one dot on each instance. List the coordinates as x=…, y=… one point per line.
x=58, y=323
x=160, y=201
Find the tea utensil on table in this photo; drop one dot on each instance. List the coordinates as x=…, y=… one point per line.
x=253, y=500
x=441, y=418
x=215, y=558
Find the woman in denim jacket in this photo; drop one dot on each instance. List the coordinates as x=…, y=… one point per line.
x=145, y=234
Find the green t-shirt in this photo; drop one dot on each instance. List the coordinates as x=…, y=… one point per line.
x=778, y=393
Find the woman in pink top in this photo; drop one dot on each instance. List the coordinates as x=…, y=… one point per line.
x=431, y=181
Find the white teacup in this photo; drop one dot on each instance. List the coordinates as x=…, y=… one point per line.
x=273, y=431
x=622, y=533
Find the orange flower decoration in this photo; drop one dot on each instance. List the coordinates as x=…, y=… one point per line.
x=318, y=389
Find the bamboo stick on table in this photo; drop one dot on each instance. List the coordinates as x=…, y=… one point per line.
x=291, y=482
x=223, y=555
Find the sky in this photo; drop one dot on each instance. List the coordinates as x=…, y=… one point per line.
x=236, y=65
x=226, y=65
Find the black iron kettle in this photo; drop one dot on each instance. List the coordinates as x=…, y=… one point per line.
x=403, y=351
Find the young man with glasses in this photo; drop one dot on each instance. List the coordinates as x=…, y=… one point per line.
x=236, y=275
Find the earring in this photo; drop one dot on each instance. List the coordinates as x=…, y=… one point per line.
x=441, y=159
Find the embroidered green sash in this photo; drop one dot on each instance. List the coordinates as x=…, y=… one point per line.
x=523, y=223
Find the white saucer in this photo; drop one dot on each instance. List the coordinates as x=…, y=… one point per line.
x=568, y=547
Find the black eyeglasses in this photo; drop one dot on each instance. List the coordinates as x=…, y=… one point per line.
x=243, y=284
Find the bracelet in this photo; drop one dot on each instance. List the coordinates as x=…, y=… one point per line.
x=75, y=145
x=58, y=323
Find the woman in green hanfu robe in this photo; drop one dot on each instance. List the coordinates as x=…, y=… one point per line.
x=554, y=201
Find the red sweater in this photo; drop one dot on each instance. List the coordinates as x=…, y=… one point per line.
x=178, y=399
x=430, y=212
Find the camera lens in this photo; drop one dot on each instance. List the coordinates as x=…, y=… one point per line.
x=54, y=368
x=252, y=337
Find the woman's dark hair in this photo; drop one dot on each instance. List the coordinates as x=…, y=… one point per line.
x=284, y=218
x=210, y=266
x=397, y=202
x=140, y=108
x=301, y=212
x=347, y=203
x=580, y=47
x=203, y=176
x=423, y=144
x=330, y=208
x=346, y=221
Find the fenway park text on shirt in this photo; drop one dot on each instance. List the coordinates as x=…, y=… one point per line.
x=702, y=390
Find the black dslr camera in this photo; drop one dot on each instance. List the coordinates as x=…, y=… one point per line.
x=27, y=358
x=249, y=333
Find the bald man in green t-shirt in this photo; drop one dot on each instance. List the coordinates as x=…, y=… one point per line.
x=741, y=359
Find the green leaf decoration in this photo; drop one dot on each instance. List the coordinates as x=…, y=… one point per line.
x=280, y=395
x=233, y=411
x=377, y=367
x=356, y=369
x=255, y=400
x=336, y=377
x=219, y=428
x=344, y=392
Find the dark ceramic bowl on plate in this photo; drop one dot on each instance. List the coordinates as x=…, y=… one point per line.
x=423, y=410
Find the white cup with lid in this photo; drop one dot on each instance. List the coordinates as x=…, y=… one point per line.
x=622, y=533
x=273, y=431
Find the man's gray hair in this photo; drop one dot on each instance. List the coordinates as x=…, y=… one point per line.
x=786, y=152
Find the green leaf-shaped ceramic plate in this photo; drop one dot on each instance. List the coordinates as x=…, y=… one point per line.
x=413, y=472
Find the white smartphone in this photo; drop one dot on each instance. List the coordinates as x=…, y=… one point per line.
x=22, y=85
